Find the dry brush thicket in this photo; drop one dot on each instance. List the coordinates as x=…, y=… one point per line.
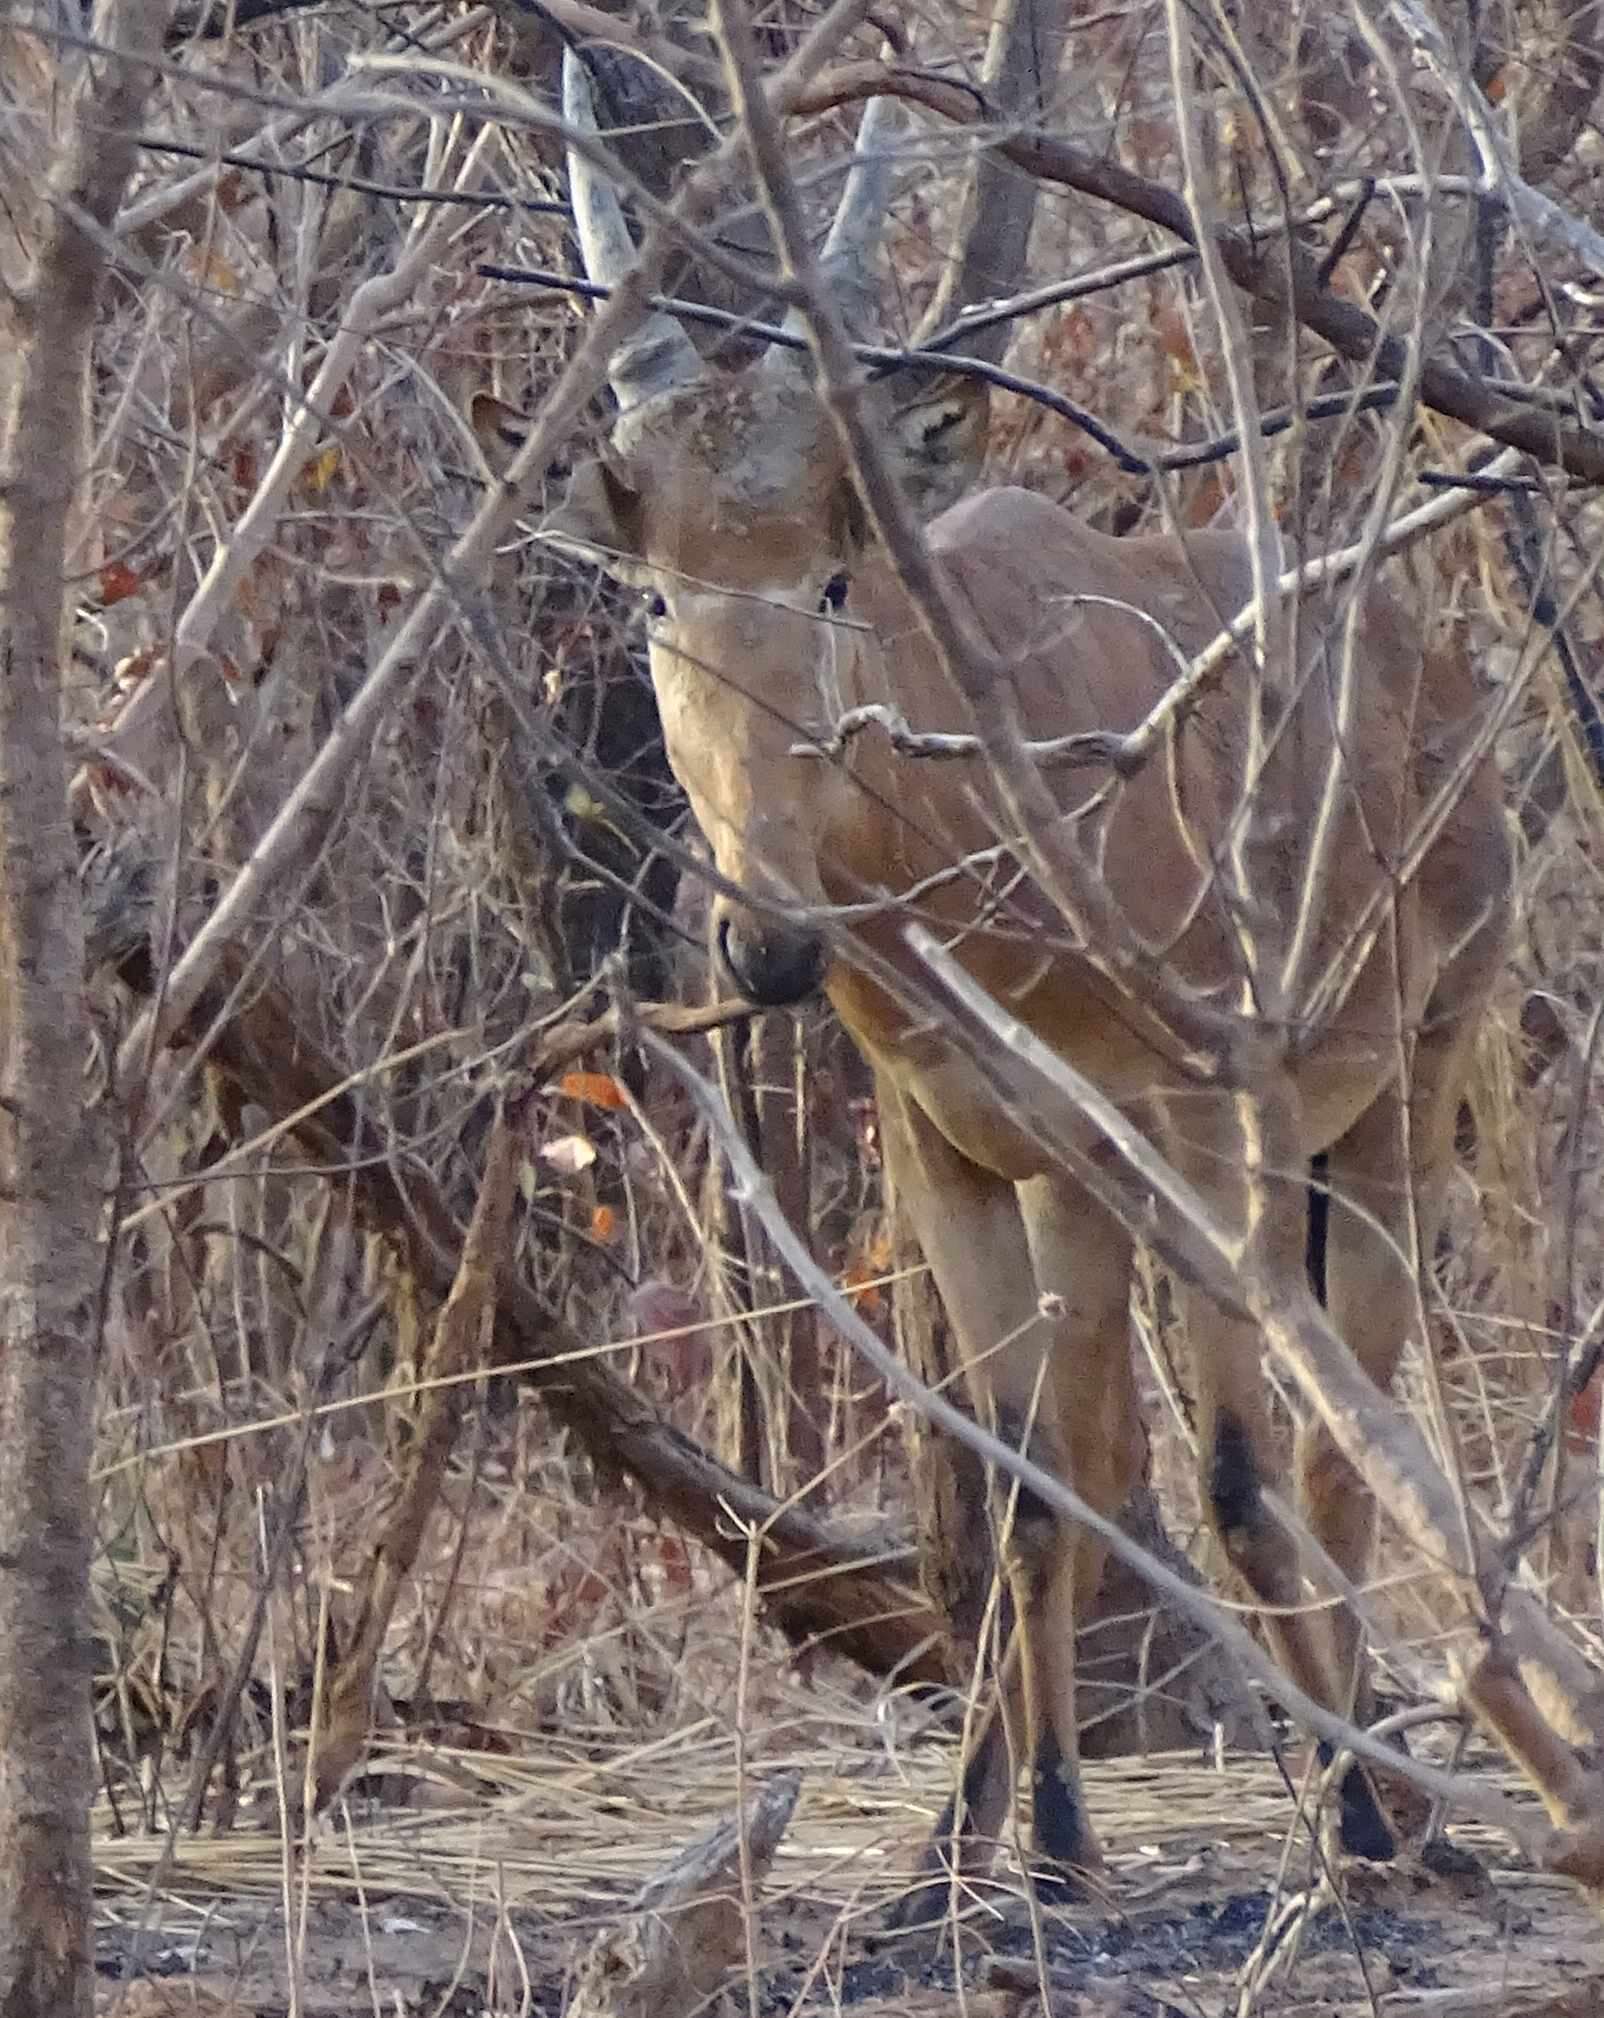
x=373, y=803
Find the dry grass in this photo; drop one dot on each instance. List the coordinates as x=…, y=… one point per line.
x=537, y=1856
x=576, y=1824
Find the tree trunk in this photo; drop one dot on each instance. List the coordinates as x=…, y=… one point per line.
x=49, y=1174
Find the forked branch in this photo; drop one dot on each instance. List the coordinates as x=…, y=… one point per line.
x=755, y=1189
x=1050, y=1102
x=1282, y=275
x=1126, y=753
x=1049, y=1097
x=301, y=822
x=974, y=667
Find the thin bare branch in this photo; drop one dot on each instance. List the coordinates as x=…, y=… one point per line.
x=461, y=1337
x=1538, y=215
x=373, y=303
x=1285, y=278
x=756, y=1190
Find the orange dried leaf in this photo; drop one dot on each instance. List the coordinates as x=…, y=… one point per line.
x=601, y=1089
x=603, y=1223
x=1175, y=340
x=212, y=270
x=857, y=1279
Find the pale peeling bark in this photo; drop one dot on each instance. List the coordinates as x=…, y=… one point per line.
x=49, y=1176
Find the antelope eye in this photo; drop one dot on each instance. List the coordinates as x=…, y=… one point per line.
x=835, y=592
x=656, y=606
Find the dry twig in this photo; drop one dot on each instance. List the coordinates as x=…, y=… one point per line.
x=687, y=1929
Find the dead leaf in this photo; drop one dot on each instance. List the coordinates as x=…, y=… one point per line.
x=210, y=269
x=860, y=1276
x=1175, y=340
x=118, y=582
x=320, y=470
x=569, y=1154
x=856, y=1280
x=600, y=1089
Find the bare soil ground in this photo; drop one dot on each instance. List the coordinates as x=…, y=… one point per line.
x=480, y=1902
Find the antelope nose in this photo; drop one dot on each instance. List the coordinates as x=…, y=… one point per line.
x=772, y=964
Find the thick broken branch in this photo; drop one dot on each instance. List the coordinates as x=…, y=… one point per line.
x=818, y=1587
x=460, y=1334
x=689, y=1927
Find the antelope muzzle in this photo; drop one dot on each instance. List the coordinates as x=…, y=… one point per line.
x=772, y=963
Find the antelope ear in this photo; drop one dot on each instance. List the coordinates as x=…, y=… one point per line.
x=499, y=429
x=599, y=518
x=937, y=431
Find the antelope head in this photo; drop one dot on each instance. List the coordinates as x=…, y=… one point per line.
x=727, y=501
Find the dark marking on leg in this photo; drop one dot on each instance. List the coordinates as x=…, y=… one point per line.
x=971, y=1794
x=948, y=1847
x=1055, y=1796
x=1233, y=1477
x=948, y=1827
x=1314, y=1254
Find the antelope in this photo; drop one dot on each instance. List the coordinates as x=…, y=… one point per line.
x=728, y=500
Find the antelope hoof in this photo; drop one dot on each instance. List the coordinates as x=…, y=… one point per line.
x=1057, y=1883
x=1452, y=1864
x=949, y=1852
x=1064, y=1837
x=921, y=1911
x=933, y=1899
x=1408, y=1810
x=1363, y=1830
